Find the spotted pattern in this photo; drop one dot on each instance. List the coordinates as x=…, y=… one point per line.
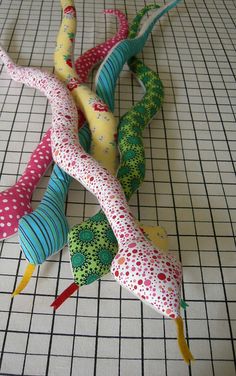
x=69, y=155
x=131, y=173
x=42, y=235
x=15, y=201
x=95, y=55
x=99, y=116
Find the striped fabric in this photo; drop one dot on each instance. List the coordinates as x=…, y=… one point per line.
x=44, y=231
x=92, y=243
x=110, y=70
x=37, y=243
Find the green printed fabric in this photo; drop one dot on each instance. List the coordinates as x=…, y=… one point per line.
x=92, y=244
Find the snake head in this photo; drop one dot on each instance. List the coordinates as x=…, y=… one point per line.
x=154, y=277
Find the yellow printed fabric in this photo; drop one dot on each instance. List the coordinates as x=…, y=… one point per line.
x=101, y=120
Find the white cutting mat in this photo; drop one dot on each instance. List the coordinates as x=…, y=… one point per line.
x=189, y=189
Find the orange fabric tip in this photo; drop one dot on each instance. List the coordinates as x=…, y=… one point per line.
x=183, y=346
x=25, y=279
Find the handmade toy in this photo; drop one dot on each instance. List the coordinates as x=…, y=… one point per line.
x=44, y=231
x=36, y=243
x=16, y=200
x=159, y=286
x=151, y=276
x=101, y=120
x=92, y=244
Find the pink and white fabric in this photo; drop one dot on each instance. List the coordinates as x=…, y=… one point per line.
x=156, y=280
x=95, y=55
x=15, y=201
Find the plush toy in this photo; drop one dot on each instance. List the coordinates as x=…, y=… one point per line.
x=101, y=120
x=37, y=243
x=159, y=284
x=44, y=231
x=92, y=244
x=151, y=276
x=16, y=200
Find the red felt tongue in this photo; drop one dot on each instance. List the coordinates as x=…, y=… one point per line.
x=64, y=296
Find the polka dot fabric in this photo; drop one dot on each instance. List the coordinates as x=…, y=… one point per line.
x=101, y=120
x=122, y=227
x=97, y=251
x=152, y=277
x=15, y=201
x=44, y=231
x=70, y=156
x=36, y=243
x=156, y=271
x=110, y=69
x=92, y=256
x=95, y=55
